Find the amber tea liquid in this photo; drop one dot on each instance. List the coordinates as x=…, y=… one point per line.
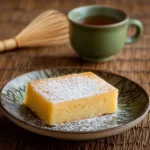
x=98, y=20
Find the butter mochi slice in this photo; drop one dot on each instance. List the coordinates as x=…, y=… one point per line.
x=71, y=97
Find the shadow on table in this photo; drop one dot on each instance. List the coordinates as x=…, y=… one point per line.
x=14, y=137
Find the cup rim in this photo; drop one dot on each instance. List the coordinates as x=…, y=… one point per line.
x=98, y=26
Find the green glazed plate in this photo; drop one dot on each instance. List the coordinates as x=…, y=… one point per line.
x=133, y=105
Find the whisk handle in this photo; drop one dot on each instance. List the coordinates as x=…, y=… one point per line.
x=8, y=44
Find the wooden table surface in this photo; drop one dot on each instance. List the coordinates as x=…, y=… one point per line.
x=133, y=62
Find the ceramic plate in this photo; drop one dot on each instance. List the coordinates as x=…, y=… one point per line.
x=133, y=105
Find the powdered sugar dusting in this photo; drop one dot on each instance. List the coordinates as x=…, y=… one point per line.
x=121, y=117
x=91, y=124
x=97, y=123
x=74, y=87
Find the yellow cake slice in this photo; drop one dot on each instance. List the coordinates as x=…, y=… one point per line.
x=70, y=98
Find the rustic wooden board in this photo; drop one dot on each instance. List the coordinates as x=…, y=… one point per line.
x=133, y=62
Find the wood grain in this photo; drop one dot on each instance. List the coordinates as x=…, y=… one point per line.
x=133, y=62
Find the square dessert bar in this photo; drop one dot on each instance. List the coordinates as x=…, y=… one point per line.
x=70, y=98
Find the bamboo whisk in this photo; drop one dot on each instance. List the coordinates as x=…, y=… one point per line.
x=49, y=28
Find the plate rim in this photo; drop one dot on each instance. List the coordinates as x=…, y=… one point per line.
x=9, y=115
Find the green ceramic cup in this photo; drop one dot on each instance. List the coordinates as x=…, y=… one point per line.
x=101, y=42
